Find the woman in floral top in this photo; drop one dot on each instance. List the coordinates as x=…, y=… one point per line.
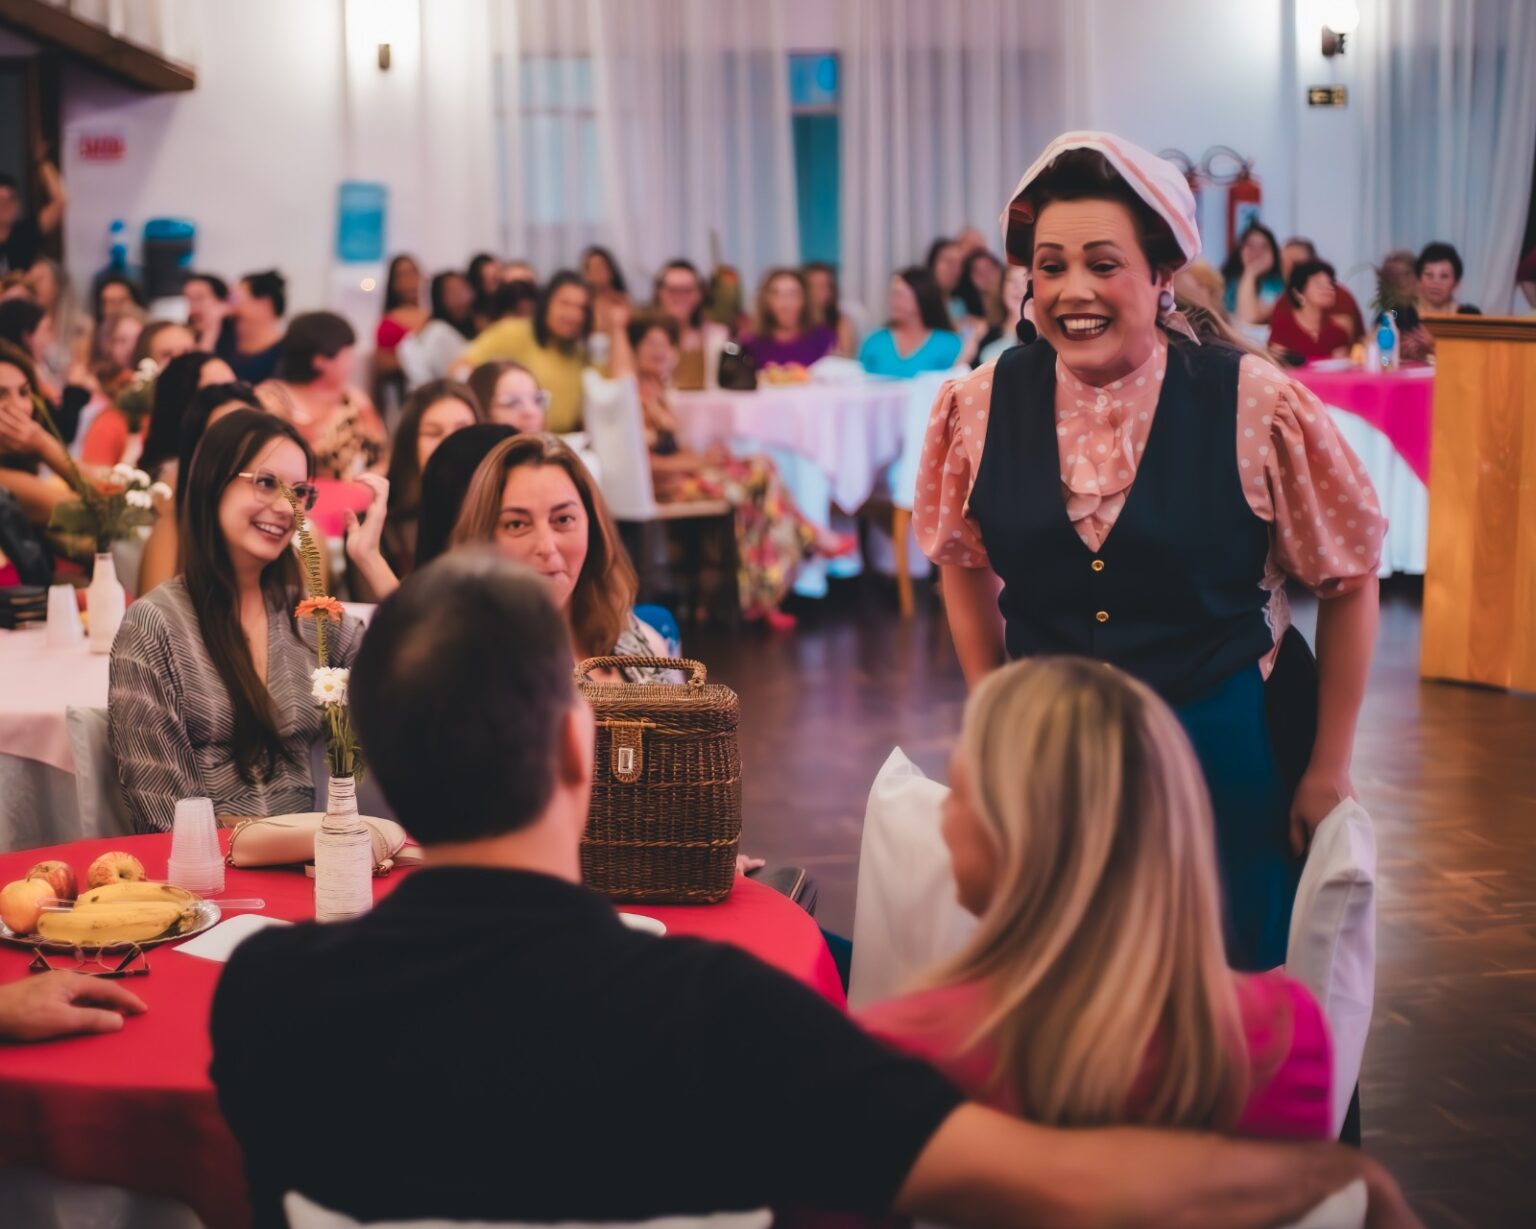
x=1119, y=490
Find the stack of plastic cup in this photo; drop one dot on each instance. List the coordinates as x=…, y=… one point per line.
x=63, y=628
x=197, y=863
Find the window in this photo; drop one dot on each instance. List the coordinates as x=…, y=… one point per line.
x=813, y=104
x=558, y=177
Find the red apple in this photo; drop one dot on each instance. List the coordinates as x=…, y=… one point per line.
x=111, y=867
x=22, y=902
x=60, y=874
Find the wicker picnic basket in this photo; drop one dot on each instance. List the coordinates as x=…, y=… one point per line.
x=666, y=793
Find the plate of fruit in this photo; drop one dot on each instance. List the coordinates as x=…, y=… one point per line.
x=119, y=907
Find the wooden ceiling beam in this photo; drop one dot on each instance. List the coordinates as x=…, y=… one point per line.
x=96, y=47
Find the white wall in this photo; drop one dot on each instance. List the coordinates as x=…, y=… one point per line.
x=281, y=114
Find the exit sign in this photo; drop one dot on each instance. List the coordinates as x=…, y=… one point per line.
x=101, y=146
x=1327, y=96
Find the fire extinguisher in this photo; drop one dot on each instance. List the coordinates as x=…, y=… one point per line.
x=1244, y=201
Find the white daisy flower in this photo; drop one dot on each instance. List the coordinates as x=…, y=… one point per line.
x=328, y=684
x=139, y=499
x=160, y=490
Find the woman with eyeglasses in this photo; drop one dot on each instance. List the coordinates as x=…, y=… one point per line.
x=210, y=673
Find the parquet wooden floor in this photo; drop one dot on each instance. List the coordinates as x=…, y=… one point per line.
x=1447, y=772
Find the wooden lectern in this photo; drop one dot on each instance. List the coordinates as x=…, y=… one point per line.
x=1480, y=587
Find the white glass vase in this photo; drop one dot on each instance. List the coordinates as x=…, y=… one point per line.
x=105, y=602
x=343, y=857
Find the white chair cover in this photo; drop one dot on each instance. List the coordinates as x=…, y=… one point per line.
x=98, y=794
x=906, y=918
x=920, y=401
x=615, y=427
x=303, y=1214
x=1345, y=1209
x=1332, y=948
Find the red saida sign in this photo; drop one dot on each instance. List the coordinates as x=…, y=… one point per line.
x=101, y=147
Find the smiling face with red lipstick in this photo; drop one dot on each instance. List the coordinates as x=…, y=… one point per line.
x=1096, y=292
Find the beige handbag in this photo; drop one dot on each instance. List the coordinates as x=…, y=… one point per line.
x=289, y=840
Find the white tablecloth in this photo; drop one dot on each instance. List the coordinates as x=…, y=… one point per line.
x=1404, y=499
x=849, y=431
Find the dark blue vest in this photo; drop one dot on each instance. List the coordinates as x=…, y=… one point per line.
x=1174, y=597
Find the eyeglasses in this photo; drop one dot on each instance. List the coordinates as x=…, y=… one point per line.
x=268, y=485
x=129, y=961
x=518, y=401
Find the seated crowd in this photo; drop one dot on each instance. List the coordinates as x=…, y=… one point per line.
x=1087, y=1058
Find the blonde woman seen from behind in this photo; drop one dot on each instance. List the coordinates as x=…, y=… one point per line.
x=1095, y=990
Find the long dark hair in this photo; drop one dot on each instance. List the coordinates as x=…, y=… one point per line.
x=174, y=387
x=970, y=294
x=930, y=299
x=229, y=448
x=465, y=324
x=404, y=472
x=615, y=274
x=541, y=333
x=194, y=422
x=1232, y=269
x=392, y=297
x=832, y=315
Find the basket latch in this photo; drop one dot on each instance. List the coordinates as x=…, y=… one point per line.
x=626, y=749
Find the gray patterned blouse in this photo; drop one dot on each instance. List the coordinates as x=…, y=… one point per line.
x=170, y=719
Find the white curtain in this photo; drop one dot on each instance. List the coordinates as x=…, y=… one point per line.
x=658, y=127
x=1450, y=97
x=943, y=107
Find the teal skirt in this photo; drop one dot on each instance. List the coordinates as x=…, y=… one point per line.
x=1251, y=774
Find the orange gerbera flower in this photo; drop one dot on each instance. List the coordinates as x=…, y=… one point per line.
x=314, y=607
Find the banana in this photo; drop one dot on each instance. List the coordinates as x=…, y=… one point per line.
x=102, y=925
x=127, y=891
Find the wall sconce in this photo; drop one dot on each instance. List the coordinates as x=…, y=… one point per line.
x=384, y=57
x=1341, y=19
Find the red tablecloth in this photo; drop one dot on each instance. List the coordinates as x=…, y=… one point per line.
x=136, y=1109
x=1396, y=403
x=335, y=500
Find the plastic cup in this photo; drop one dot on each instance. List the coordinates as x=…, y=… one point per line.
x=63, y=627
x=196, y=862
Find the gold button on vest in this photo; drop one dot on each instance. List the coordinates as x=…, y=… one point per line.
x=1102, y=616
x=1097, y=565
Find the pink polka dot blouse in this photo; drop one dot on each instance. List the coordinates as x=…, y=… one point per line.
x=1326, y=524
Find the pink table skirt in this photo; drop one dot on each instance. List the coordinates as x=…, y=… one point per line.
x=1396, y=403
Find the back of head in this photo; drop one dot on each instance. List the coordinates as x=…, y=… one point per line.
x=19, y=318
x=444, y=481
x=313, y=335
x=404, y=472
x=175, y=385
x=458, y=694
x=194, y=424
x=214, y=282
x=1102, y=932
x=271, y=287
x=515, y=298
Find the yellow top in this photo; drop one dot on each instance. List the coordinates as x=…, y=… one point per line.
x=557, y=371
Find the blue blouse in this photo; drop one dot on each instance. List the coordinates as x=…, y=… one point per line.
x=880, y=357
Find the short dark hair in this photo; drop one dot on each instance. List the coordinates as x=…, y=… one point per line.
x=930, y=299
x=1297, y=241
x=1304, y=272
x=643, y=322
x=18, y=318
x=510, y=297
x=562, y=279
x=1435, y=252
x=312, y=335
x=458, y=694
x=7, y=180
x=135, y=291
x=216, y=283
x=270, y=286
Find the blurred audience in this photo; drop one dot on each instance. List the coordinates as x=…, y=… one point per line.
x=1309, y=330
x=207, y=297
x=944, y=264
x=251, y=338
x=21, y=237
x=430, y=415
x=431, y=352
x=1345, y=311
x=114, y=293
x=69, y=327
x=918, y=334
x=1011, y=310
x=315, y=392
x=175, y=385
x=783, y=331
x=1439, y=271
x=1253, y=280
x=821, y=287
x=679, y=294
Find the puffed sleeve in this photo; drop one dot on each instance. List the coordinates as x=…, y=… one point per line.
x=1300, y=475
x=947, y=472
x=149, y=739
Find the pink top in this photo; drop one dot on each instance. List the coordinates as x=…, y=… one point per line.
x=1290, y=1058
x=1298, y=473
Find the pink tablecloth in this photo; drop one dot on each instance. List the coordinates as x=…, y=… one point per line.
x=36, y=685
x=136, y=1109
x=1396, y=403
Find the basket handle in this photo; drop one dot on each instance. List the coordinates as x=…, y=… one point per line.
x=697, y=674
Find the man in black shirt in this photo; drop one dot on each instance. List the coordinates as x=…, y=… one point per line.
x=492, y=1043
